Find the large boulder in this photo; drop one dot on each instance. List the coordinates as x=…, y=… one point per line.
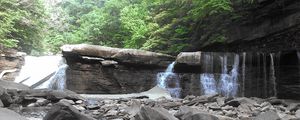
x=65, y=111
x=12, y=85
x=131, y=56
x=6, y=114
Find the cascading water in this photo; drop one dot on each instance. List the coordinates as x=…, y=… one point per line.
x=272, y=74
x=43, y=72
x=169, y=81
x=58, y=80
x=227, y=83
x=208, y=83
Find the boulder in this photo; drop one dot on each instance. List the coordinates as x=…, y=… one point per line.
x=189, y=62
x=54, y=95
x=156, y=113
x=65, y=111
x=13, y=85
x=6, y=114
x=130, y=56
x=188, y=113
x=269, y=115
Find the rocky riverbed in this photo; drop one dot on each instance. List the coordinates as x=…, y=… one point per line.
x=23, y=103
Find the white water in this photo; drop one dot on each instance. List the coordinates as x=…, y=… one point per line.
x=272, y=74
x=37, y=71
x=208, y=83
x=227, y=85
x=168, y=77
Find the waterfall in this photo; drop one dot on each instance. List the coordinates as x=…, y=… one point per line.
x=227, y=83
x=58, y=80
x=169, y=81
x=272, y=75
x=43, y=72
x=243, y=74
x=208, y=83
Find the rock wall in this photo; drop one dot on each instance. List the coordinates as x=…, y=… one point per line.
x=97, y=69
x=11, y=62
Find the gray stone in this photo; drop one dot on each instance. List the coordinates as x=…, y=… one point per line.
x=147, y=113
x=65, y=111
x=68, y=101
x=269, y=115
x=6, y=114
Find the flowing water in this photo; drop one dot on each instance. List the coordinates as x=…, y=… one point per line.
x=169, y=81
x=43, y=72
x=225, y=83
x=272, y=75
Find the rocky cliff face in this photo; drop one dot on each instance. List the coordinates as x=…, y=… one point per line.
x=268, y=26
x=10, y=64
x=97, y=69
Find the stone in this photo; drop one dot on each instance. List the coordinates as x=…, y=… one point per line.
x=68, y=101
x=6, y=114
x=13, y=85
x=132, y=56
x=188, y=113
x=269, y=115
x=65, y=111
x=155, y=113
x=79, y=102
x=51, y=94
x=297, y=113
x=1, y=104
x=238, y=101
x=293, y=107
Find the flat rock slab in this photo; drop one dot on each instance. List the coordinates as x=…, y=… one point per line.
x=132, y=56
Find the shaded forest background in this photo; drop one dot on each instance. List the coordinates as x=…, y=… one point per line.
x=167, y=26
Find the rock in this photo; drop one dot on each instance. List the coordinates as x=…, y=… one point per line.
x=65, y=111
x=297, y=113
x=293, y=107
x=79, y=107
x=203, y=99
x=79, y=102
x=170, y=105
x=51, y=94
x=131, y=56
x=13, y=85
x=68, y=101
x=108, y=63
x=147, y=113
x=1, y=104
x=188, y=62
x=187, y=113
x=238, y=101
x=42, y=102
x=7, y=114
x=269, y=115
x=134, y=108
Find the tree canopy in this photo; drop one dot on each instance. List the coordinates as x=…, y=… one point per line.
x=158, y=25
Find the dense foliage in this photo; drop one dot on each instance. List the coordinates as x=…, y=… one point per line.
x=158, y=25
x=21, y=24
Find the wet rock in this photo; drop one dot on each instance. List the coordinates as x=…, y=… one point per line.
x=293, y=107
x=1, y=104
x=53, y=95
x=269, y=115
x=297, y=113
x=155, y=113
x=238, y=101
x=188, y=113
x=65, y=111
x=132, y=56
x=79, y=102
x=13, y=85
x=6, y=114
x=202, y=99
x=68, y=101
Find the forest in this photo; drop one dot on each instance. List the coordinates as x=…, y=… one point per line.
x=167, y=26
